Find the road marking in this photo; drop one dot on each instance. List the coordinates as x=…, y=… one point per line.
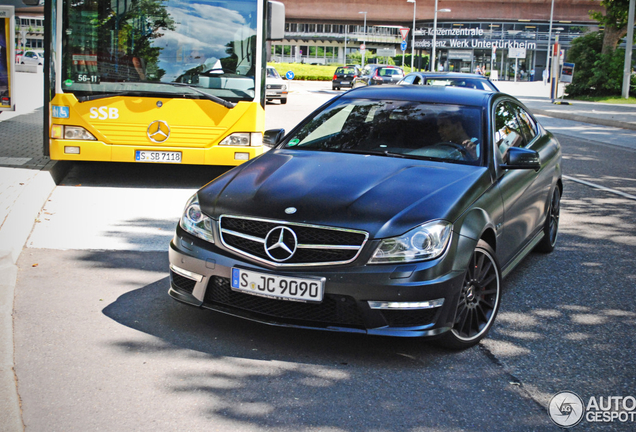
x=603, y=188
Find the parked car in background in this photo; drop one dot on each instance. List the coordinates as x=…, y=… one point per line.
x=344, y=76
x=30, y=57
x=275, y=86
x=453, y=79
x=379, y=74
x=391, y=210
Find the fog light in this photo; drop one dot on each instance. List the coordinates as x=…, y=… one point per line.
x=185, y=273
x=71, y=150
x=430, y=304
x=241, y=156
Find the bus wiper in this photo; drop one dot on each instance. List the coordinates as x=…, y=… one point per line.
x=223, y=102
x=218, y=100
x=112, y=94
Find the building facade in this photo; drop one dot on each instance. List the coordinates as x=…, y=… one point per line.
x=507, y=39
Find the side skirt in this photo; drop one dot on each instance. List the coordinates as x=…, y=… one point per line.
x=522, y=254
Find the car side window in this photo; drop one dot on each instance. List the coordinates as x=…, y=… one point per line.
x=528, y=126
x=410, y=79
x=507, y=128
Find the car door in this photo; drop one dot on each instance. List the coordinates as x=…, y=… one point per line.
x=523, y=191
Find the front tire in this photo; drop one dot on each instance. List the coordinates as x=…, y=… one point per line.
x=551, y=227
x=283, y=101
x=478, y=301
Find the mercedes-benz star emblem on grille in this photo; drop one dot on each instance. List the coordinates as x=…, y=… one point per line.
x=280, y=243
x=158, y=131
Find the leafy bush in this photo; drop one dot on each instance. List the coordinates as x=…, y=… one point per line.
x=595, y=74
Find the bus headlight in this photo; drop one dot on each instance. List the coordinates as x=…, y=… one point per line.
x=195, y=222
x=71, y=133
x=243, y=139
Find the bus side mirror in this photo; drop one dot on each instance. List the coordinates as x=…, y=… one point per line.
x=275, y=20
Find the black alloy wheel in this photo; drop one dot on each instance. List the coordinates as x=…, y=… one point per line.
x=551, y=227
x=478, y=300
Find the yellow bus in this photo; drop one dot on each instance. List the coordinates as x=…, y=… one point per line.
x=157, y=81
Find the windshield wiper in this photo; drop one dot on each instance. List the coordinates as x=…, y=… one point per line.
x=218, y=100
x=375, y=153
x=223, y=102
x=113, y=94
x=393, y=154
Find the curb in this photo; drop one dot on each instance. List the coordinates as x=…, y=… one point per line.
x=585, y=119
x=13, y=235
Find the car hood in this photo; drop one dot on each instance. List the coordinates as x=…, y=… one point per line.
x=384, y=196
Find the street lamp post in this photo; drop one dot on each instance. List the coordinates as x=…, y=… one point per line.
x=435, y=35
x=364, y=39
x=413, y=34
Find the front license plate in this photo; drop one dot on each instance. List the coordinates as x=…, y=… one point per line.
x=157, y=156
x=278, y=287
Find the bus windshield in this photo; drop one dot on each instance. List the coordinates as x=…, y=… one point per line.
x=145, y=46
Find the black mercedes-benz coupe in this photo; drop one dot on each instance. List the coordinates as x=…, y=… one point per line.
x=390, y=210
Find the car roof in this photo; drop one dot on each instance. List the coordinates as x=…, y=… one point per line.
x=449, y=75
x=431, y=94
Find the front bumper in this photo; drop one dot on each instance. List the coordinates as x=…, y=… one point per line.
x=276, y=94
x=358, y=298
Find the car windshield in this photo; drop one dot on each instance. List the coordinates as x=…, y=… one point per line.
x=272, y=73
x=146, y=43
x=394, y=128
x=389, y=72
x=474, y=83
x=346, y=70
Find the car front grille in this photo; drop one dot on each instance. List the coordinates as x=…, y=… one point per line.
x=308, y=245
x=274, y=86
x=334, y=310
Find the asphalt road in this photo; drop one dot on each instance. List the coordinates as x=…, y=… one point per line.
x=99, y=345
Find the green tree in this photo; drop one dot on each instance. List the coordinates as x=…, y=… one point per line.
x=596, y=73
x=615, y=21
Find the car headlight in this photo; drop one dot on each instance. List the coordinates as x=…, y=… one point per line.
x=427, y=241
x=195, y=222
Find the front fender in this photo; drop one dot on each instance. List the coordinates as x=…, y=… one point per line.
x=471, y=227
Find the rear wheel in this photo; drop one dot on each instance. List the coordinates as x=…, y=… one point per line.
x=478, y=301
x=551, y=227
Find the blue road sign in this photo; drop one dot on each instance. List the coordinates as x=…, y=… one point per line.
x=290, y=75
x=403, y=46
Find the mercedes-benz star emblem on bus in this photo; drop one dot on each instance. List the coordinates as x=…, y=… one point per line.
x=158, y=131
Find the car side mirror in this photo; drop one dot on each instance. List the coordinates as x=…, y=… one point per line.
x=521, y=158
x=272, y=137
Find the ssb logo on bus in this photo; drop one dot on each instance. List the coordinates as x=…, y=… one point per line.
x=104, y=113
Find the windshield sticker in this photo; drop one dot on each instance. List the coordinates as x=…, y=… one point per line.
x=293, y=142
x=68, y=82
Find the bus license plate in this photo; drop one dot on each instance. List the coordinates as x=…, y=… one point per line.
x=278, y=287
x=157, y=156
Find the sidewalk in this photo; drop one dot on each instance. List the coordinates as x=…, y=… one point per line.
x=27, y=178
x=536, y=97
